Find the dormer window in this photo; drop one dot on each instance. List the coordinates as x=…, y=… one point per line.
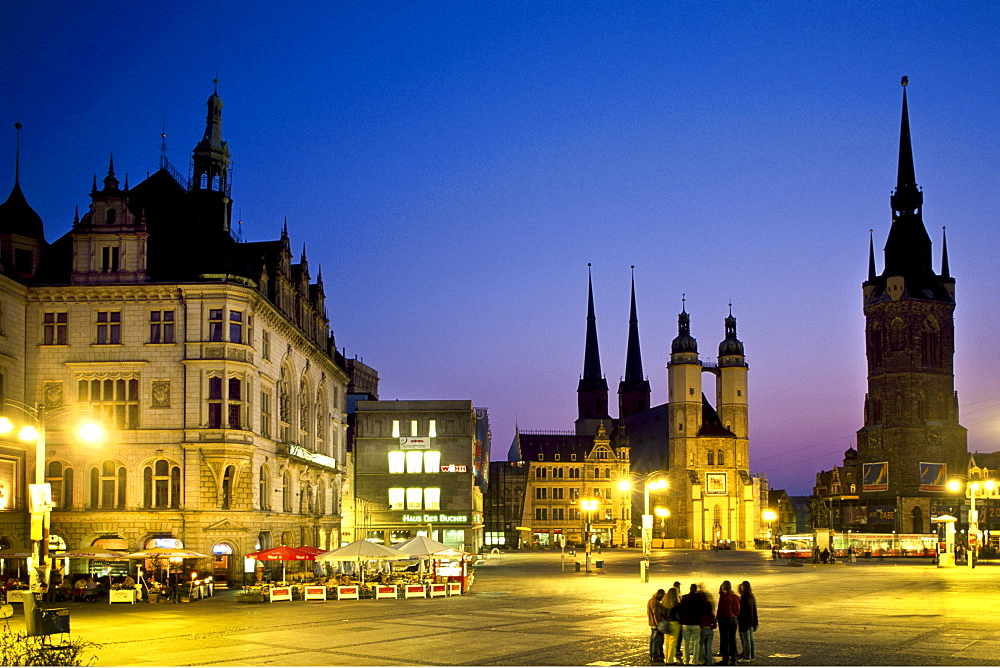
x=109, y=257
x=110, y=217
x=541, y=457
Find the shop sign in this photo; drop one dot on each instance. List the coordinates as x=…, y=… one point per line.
x=435, y=518
x=414, y=443
x=454, y=468
x=314, y=457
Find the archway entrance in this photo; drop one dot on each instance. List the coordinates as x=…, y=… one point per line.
x=223, y=563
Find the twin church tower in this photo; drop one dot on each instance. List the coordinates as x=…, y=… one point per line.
x=701, y=449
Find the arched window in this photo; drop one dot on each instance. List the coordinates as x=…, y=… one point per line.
x=161, y=485
x=717, y=517
x=320, y=411
x=111, y=216
x=265, y=489
x=286, y=492
x=107, y=486
x=597, y=472
x=918, y=520
x=216, y=181
x=284, y=406
x=875, y=344
x=607, y=473
x=930, y=343
x=227, y=487
x=304, y=407
x=720, y=458
x=320, y=504
x=61, y=480
x=711, y=457
x=897, y=334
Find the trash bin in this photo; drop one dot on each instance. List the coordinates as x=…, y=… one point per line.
x=53, y=620
x=600, y=565
x=578, y=567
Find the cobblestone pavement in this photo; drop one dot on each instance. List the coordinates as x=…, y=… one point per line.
x=534, y=609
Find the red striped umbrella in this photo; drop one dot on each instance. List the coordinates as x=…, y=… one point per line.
x=282, y=553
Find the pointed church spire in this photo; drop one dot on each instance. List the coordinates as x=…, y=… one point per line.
x=684, y=342
x=730, y=345
x=17, y=152
x=633, y=357
x=591, y=355
x=633, y=390
x=908, y=247
x=945, y=270
x=76, y=216
x=110, y=182
x=871, y=255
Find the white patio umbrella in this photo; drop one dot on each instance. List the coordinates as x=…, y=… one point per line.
x=360, y=551
x=423, y=547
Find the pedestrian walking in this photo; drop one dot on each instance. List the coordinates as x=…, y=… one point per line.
x=747, y=620
x=673, y=634
x=656, y=613
x=726, y=614
x=691, y=606
x=707, y=626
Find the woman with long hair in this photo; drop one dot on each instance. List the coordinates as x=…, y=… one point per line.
x=672, y=604
x=747, y=620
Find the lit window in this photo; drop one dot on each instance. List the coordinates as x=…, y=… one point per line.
x=265, y=344
x=413, y=427
x=397, y=498
x=432, y=461
x=414, y=461
x=395, y=428
x=432, y=498
x=397, y=461
x=414, y=498
x=114, y=400
x=432, y=430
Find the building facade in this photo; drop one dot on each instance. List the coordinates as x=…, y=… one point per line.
x=414, y=473
x=210, y=362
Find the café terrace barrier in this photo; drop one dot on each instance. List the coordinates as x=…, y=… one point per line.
x=357, y=592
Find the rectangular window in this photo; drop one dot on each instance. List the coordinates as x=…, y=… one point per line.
x=574, y=493
x=235, y=403
x=161, y=326
x=414, y=498
x=413, y=427
x=557, y=514
x=109, y=259
x=236, y=326
x=397, y=461
x=414, y=461
x=54, y=333
x=215, y=324
x=557, y=493
x=541, y=493
x=265, y=413
x=114, y=401
x=397, y=498
x=265, y=344
x=432, y=430
x=395, y=428
x=432, y=461
x=109, y=327
x=432, y=498
x=215, y=403
x=542, y=514
x=574, y=513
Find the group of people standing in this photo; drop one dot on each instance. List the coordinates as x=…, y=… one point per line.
x=682, y=627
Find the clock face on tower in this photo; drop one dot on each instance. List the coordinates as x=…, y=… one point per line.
x=934, y=436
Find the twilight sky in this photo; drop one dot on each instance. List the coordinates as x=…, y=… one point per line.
x=454, y=167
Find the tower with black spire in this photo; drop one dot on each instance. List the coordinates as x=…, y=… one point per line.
x=22, y=235
x=633, y=390
x=592, y=391
x=911, y=440
x=210, y=168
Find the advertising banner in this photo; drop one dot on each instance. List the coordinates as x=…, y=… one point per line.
x=933, y=477
x=875, y=477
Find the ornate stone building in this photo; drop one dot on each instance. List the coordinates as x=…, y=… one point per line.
x=211, y=361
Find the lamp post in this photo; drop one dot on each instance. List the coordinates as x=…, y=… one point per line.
x=647, y=520
x=40, y=493
x=663, y=514
x=588, y=506
x=972, y=489
x=769, y=516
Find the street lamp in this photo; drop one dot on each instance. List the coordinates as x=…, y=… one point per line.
x=769, y=516
x=647, y=520
x=588, y=506
x=663, y=514
x=972, y=489
x=40, y=493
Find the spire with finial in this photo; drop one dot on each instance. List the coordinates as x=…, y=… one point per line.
x=17, y=152
x=76, y=216
x=592, y=390
x=163, y=146
x=871, y=255
x=591, y=355
x=110, y=182
x=730, y=345
x=684, y=342
x=211, y=155
x=908, y=247
x=633, y=390
x=945, y=270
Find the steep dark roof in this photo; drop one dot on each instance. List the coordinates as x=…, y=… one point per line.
x=547, y=445
x=711, y=425
x=17, y=216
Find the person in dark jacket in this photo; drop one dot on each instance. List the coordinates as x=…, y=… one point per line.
x=747, y=620
x=691, y=609
x=725, y=615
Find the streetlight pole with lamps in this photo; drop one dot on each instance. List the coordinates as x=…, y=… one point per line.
x=588, y=506
x=647, y=520
x=972, y=489
x=40, y=493
x=769, y=516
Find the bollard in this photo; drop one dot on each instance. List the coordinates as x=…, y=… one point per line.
x=643, y=570
x=577, y=566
